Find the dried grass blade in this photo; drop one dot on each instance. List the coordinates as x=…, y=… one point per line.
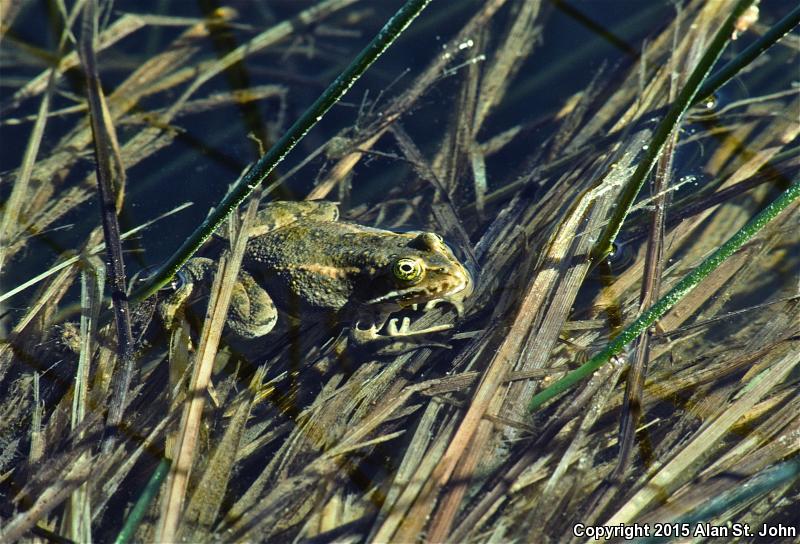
x=516, y=47
x=481, y=185
x=408, y=488
x=106, y=486
x=185, y=446
x=668, y=124
x=37, y=440
x=138, y=84
x=409, y=464
x=58, y=490
x=554, y=489
x=9, y=9
x=93, y=251
x=764, y=482
x=445, y=212
x=345, y=165
x=437, y=67
x=651, y=287
x=374, y=420
x=92, y=283
x=509, y=474
x=119, y=29
x=404, y=102
x=685, y=285
x=52, y=292
x=265, y=39
x=565, y=268
x=9, y=224
x=240, y=96
x=204, y=505
x=586, y=215
x=285, y=497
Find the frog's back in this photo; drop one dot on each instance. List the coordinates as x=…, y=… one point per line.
x=322, y=265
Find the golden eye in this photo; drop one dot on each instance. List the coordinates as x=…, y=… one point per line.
x=406, y=269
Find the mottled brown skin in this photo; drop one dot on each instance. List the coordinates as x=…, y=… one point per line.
x=301, y=259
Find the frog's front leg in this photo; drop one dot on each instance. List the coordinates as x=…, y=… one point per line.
x=251, y=314
x=397, y=331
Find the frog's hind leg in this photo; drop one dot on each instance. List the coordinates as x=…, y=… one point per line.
x=252, y=314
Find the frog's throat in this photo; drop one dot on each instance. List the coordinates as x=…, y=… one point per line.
x=397, y=296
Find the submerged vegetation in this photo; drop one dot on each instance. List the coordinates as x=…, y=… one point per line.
x=483, y=123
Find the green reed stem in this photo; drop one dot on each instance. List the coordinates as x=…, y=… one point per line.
x=681, y=289
x=770, y=38
x=242, y=189
x=667, y=125
x=143, y=502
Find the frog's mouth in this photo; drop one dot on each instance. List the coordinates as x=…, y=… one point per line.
x=453, y=289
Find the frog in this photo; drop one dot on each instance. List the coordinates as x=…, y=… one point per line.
x=303, y=261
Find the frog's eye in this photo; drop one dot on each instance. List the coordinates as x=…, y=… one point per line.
x=407, y=269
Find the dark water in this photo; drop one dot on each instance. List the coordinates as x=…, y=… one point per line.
x=212, y=147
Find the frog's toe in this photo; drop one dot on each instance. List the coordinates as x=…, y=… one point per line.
x=393, y=330
x=404, y=329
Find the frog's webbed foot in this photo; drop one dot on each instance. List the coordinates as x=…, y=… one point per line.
x=395, y=328
x=394, y=336
x=396, y=333
x=404, y=330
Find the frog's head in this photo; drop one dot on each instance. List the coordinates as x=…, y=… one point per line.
x=424, y=271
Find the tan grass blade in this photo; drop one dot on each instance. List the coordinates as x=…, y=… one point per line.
x=19, y=193
x=185, y=447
